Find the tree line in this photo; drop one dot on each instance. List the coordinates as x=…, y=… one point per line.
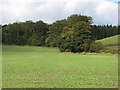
x=104, y=31
x=74, y=34
x=25, y=33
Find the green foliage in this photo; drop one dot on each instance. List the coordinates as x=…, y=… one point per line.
x=96, y=47
x=76, y=18
x=76, y=38
x=112, y=51
x=25, y=33
x=33, y=41
x=62, y=28
x=54, y=32
x=104, y=31
x=73, y=34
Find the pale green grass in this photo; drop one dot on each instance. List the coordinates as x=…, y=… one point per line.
x=110, y=41
x=35, y=67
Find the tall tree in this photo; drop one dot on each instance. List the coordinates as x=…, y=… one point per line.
x=54, y=32
x=76, y=37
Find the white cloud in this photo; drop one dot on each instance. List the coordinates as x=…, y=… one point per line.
x=102, y=11
x=107, y=13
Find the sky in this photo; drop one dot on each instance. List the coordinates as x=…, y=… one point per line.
x=102, y=11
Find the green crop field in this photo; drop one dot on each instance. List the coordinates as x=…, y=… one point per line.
x=40, y=67
x=110, y=41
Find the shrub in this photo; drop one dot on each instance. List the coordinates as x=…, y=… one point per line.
x=113, y=51
x=96, y=47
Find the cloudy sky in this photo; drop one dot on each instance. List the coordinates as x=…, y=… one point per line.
x=102, y=11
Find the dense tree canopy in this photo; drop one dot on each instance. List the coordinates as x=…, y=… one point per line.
x=74, y=34
x=25, y=33
x=76, y=18
x=54, y=32
x=76, y=38
x=102, y=31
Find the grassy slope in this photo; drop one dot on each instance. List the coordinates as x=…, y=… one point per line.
x=46, y=67
x=110, y=41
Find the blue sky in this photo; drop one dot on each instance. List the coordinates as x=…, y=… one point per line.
x=102, y=11
x=113, y=0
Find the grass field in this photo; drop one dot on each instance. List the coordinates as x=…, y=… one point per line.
x=40, y=67
x=110, y=41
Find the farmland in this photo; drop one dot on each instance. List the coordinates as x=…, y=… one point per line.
x=43, y=67
x=110, y=41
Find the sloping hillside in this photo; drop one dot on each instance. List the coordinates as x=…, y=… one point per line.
x=110, y=41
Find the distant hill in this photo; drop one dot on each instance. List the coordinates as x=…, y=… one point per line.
x=110, y=41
